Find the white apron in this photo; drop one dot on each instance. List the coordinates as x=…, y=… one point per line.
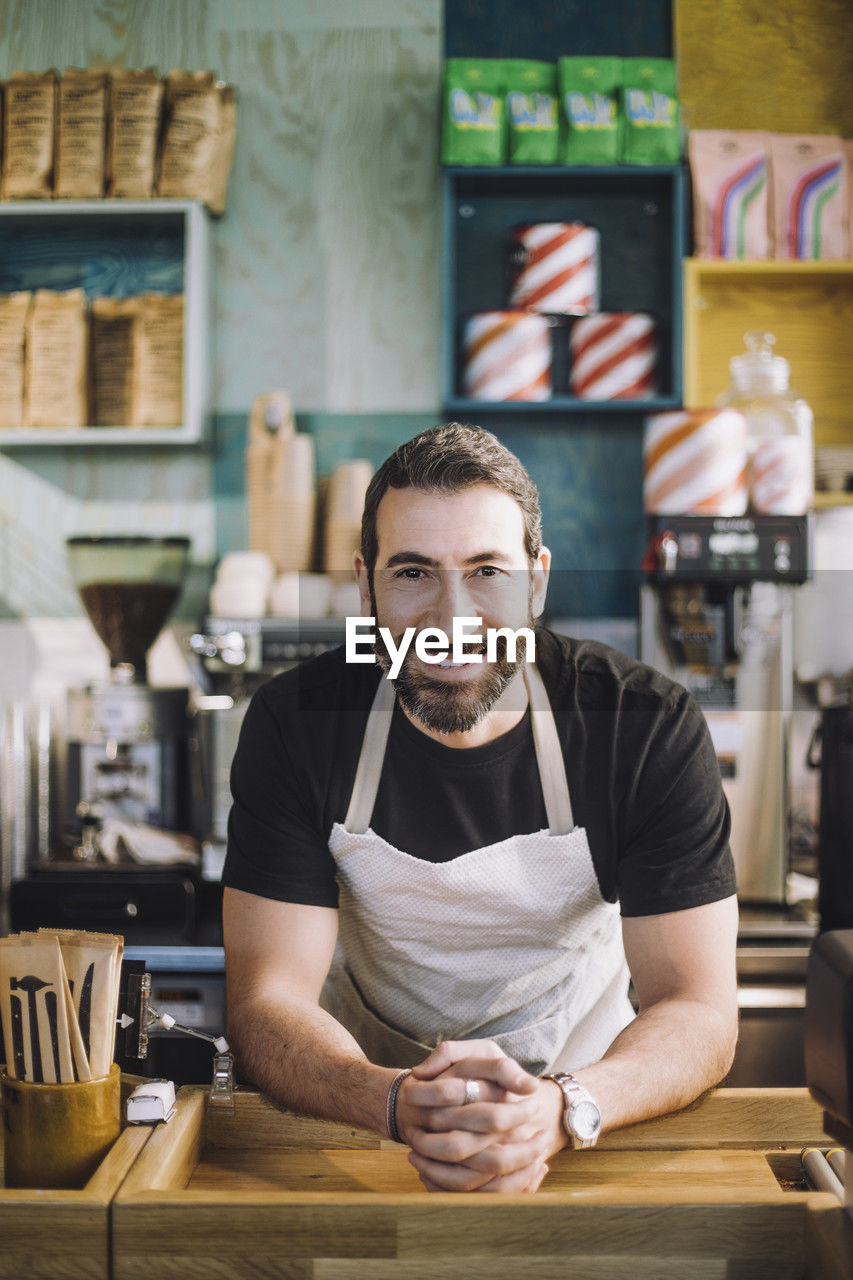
x=512, y=941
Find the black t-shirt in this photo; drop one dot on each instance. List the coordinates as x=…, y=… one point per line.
x=641, y=769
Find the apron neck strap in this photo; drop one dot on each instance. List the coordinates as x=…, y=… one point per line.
x=549, y=757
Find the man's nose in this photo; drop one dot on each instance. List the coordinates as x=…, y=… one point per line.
x=454, y=600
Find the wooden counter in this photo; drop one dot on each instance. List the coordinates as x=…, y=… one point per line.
x=706, y=1193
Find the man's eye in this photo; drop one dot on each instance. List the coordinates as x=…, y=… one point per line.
x=488, y=571
x=410, y=574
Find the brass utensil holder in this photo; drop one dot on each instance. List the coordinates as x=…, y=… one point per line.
x=55, y=1135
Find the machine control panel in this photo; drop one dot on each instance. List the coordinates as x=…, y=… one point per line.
x=255, y=645
x=731, y=549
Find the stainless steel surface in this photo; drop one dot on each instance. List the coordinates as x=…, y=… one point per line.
x=746, y=696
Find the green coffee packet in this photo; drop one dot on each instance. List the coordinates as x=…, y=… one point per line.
x=650, y=128
x=474, y=122
x=531, y=108
x=590, y=124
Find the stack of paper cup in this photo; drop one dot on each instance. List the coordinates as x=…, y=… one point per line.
x=301, y=595
x=695, y=463
x=270, y=427
x=507, y=356
x=557, y=268
x=344, y=509
x=291, y=497
x=781, y=476
x=613, y=356
x=243, y=581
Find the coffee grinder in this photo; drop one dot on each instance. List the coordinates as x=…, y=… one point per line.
x=127, y=741
x=716, y=616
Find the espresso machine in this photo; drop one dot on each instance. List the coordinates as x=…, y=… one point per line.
x=126, y=741
x=716, y=615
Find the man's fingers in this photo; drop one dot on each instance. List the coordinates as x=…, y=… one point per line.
x=461, y=1145
x=449, y=1091
x=450, y=1051
x=503, y=1072
x=447, y=1177
x=524, y=1180
x=504, y=1158
x=497, y=1119
x=439, y=1176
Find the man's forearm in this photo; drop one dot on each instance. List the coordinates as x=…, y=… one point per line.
x=302, y=1058
x=669, y=1055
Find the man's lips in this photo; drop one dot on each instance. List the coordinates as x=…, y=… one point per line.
x=474, y=662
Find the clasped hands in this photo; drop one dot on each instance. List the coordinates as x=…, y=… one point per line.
x=501, y=1142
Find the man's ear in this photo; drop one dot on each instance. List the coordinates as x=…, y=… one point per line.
x=363, y=582
x=541, y=572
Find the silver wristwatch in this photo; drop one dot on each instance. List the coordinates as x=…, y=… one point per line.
x=581, y=1116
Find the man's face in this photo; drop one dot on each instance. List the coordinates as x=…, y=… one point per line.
x=442, y=556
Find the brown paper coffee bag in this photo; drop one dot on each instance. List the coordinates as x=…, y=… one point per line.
x=113, y=335
x=159, y=361
x=81, y=127
x=198, y=138
x=135, y=102
x=56, y=363
x=13, y=327
x=28, y=135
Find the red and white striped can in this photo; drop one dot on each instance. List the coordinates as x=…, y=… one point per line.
x=557, y=268
x=695, y=463
x=614, y=356
x=507, y=356
x=781, y=476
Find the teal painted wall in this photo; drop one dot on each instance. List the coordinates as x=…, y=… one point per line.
x=324, y=281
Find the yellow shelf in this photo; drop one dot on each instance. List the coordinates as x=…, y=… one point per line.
x=808, y=306
x=769, y=266
x=827, y=498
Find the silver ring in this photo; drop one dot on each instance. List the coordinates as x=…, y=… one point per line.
x=472, y=1091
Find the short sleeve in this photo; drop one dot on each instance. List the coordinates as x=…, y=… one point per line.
x=276, y=845
x=676, y=835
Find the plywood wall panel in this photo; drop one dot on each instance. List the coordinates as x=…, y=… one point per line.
x=746, y=64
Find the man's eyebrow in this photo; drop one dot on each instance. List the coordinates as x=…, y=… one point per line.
x=417, y=557
x=410, y=557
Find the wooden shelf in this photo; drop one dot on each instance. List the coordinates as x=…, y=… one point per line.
x=828, y=498
x=562, y=405
x=808, y=306
x=92, y=437
x=114, y=248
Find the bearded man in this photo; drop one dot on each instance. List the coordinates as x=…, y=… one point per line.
x=439, y=885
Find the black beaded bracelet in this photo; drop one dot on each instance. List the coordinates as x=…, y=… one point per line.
x=391, y=1105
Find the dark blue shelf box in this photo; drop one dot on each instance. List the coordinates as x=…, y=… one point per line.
x=639, y=212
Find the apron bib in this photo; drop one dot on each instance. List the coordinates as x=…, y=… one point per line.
x=512, y=941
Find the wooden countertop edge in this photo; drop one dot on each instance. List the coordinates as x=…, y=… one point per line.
x=737, y=1118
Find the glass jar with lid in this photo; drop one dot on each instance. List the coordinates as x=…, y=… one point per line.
x=779, y=429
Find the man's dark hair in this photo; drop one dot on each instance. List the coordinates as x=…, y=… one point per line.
x=446, y=460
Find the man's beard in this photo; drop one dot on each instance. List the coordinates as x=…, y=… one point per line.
x=447, y=706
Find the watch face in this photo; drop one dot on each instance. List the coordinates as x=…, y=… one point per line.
x=585, y=1119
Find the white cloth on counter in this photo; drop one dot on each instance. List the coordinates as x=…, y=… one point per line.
x=149, y=846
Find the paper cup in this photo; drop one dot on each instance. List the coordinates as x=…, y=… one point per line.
x=347, y=487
